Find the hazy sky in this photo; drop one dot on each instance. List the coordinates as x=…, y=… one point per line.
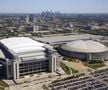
x=69, y=6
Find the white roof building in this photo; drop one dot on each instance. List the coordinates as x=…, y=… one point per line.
x=22, y=44
x=22, y=56
x=85, y=46
x=53, y=40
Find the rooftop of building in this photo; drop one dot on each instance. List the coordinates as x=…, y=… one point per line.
x=66, y=38
x=85, y=46
x=22, y=44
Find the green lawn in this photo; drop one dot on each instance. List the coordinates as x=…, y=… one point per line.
x=94, y=64
x=74, y=71
x=70, y=59
x=67, y=69
x=2, y=85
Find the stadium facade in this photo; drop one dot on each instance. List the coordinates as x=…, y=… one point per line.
x=20, y=56
x=85, y=50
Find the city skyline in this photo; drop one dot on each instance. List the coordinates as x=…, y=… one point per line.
x=63, y=6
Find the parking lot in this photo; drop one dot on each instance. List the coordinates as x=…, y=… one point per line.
x=95, y=81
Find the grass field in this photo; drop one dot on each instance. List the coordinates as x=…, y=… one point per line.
x=70, y=59
x=67, y=69
x=2, y=85
x=94, y=64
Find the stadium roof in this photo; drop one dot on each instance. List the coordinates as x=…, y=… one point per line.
x=22, y=44
x=85, y=46
x=2, y=54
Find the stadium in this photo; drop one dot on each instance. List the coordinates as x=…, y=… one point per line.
x=20, y=56
x=85, y=50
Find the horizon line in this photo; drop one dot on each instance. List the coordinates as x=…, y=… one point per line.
x=53, y=12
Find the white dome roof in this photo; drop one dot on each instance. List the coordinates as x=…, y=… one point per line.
x=85, y=46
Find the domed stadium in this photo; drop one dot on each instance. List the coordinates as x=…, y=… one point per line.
x=85, y=50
